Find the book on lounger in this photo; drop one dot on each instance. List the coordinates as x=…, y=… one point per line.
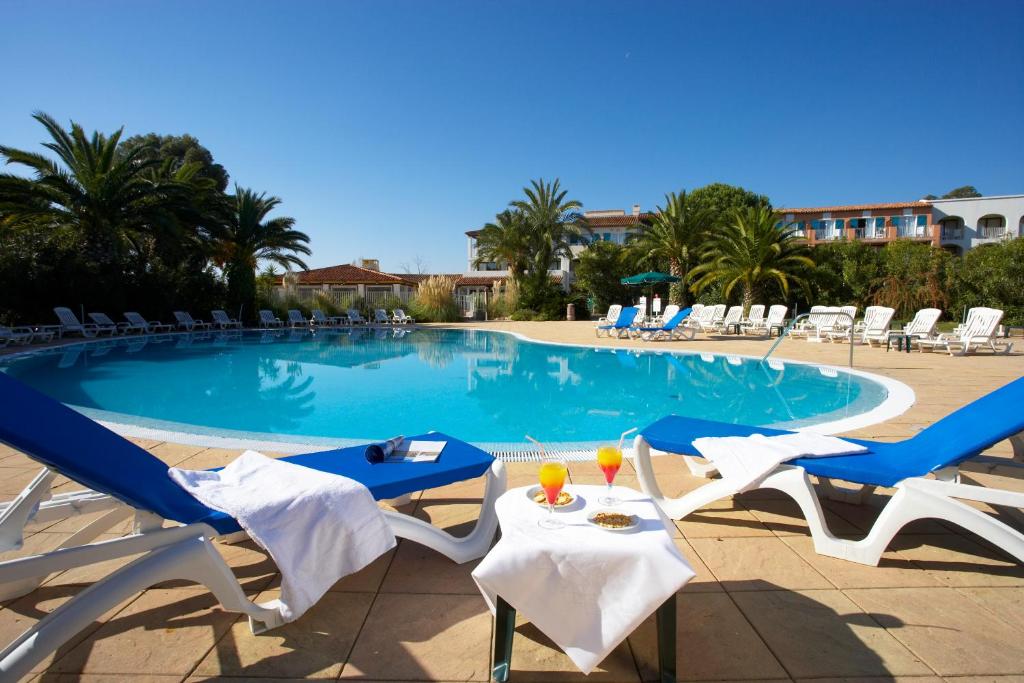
x=417, y=451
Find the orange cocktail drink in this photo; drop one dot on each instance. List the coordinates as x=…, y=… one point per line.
x=552, y=478
x=609, y=459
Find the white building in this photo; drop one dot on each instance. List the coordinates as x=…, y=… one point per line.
x=968, y=223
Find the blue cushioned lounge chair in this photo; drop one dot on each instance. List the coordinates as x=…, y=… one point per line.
x=621, y=325
x=672, y=328
x=125, y=479
x=905, y=465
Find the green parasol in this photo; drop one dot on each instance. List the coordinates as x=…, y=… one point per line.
x=650, y=279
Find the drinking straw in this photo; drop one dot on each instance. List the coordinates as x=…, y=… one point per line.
x=621, y=438
x=543, y=453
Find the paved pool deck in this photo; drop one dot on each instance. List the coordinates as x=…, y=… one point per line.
x=943, y=604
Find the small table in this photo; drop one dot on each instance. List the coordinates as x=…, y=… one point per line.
x=773, y=328
x=587, y=587
x=902, y=342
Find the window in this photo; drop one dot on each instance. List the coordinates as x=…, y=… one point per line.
x=607, y=237
x=922, y=220
x=840, y=223
x=992, y=227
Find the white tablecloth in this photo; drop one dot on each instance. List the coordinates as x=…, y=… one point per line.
x=584, y=587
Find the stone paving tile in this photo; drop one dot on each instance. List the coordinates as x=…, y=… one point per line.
x=535, y=658
x=846, y=641
x=174, y=453
x=722, y=520
x=418, y=569
x=704, y=580
x=19, y=615
x=14, y=479
x=757, y=563
x=894, y=570
x=104, y=678
x=208, y=458
x=164, y=631
x=784, y=517
x=710, y=635
x=317, y=645
x=959, y=561
x=946, y=629
x=423, y=637
x=1005, y=603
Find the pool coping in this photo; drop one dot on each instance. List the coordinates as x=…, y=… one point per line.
x=900, y=398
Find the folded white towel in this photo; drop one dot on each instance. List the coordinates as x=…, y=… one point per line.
x=747, y=460
x=318, y=527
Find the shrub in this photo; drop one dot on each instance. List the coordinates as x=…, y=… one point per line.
x=435, y=300
x=524, y=314
x=504, y=301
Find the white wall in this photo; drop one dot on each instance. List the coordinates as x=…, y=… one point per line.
x=1010, y=207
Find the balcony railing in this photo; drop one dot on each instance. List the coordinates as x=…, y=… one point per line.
x=992, y=233
x=952, y=233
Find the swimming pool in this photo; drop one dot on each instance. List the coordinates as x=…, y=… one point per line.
x=490, y=388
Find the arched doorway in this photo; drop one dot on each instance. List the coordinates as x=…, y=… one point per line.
x=992, y=226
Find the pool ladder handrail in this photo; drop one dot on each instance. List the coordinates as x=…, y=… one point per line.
x=800, y=317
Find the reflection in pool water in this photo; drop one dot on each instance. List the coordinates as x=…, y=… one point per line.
x=485, y=387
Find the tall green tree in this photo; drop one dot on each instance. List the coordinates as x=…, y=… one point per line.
x=751, y=252
x=721, y=199
x=506, y=241
x=599, y=273
x=673, y=235
x=249, y=237
x=180, y=151
x=553, y=222
x=97, y=191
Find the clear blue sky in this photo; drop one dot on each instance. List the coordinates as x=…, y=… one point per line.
x=390, y=128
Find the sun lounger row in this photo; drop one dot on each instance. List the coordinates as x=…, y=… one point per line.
x=319, y=319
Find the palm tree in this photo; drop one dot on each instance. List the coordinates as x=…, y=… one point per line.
x=108, y=197
x=506, y=241
x=552, y=223
x=249, y=237
x=751, y=251
x=673, y=235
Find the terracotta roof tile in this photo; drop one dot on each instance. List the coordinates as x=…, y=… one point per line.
x=348, y=274
x=857, y=207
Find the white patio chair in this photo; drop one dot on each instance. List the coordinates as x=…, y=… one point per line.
x=776, y=316
x=187, y=322
x=355, y=317
x=296, y=319
x=979, y=331
x=69, y=324
x=268, y=319
x=105, y=324
x=222, y=320
x=399, y=316
x=137, y=322
x=381, y=317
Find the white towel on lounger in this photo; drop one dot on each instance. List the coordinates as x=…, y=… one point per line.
x=747, y=460
x=317, y=526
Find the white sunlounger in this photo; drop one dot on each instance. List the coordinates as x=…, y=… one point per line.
x=755, y=316
x=733, y=317
x=921, y=327
x=105, y=324
x=978, y=331
x=355, y=317
x=268, y=319
x=296, y=319
x=381, y=317
x=320, y=319
x=611, y=316
x=398, y=316
x=69, y=324
x=222, y=320
x=776, y=316
x=137, y=322
x=17, y=335
x=876, y=326
x=187, y=322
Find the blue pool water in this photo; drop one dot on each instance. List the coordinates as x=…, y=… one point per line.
x=485, y=387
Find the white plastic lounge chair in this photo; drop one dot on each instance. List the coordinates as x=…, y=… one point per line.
x=979, y=331
x=862, y=323
x=355, y=317
x=69, y=324
x=776, y=316
x=936, y=451
x=755, y=316
x=666, y=315
x=105, y=324
x=801, y=328
x=268, y=319
x=399, y=316
x=187, y=322
x=707, y=318
x=380, y=317
x=137, y=322
x=733, y=317
x=921, y=327
x=875, y=326
x=296, y=319
x=820, y=323
x=17, y=335
x=222, y=320
x=320, y=319
x=126, y=480
x=611, y=316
